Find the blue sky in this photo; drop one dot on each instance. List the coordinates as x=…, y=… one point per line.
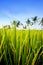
x=19, y=10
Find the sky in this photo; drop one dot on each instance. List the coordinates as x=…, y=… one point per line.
x=19, y=10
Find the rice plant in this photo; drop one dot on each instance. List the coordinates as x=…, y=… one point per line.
x=21, y=47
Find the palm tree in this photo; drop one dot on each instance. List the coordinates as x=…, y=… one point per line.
x=34, y=19
x=24, y=27
x=14, y=23
x=18, y=23
x=28, y=22
x=41, y=22
x=6, y=27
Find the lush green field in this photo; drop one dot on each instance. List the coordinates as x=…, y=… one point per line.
x=21, y=47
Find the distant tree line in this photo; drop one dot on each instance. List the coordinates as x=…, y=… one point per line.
x=28, y=22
